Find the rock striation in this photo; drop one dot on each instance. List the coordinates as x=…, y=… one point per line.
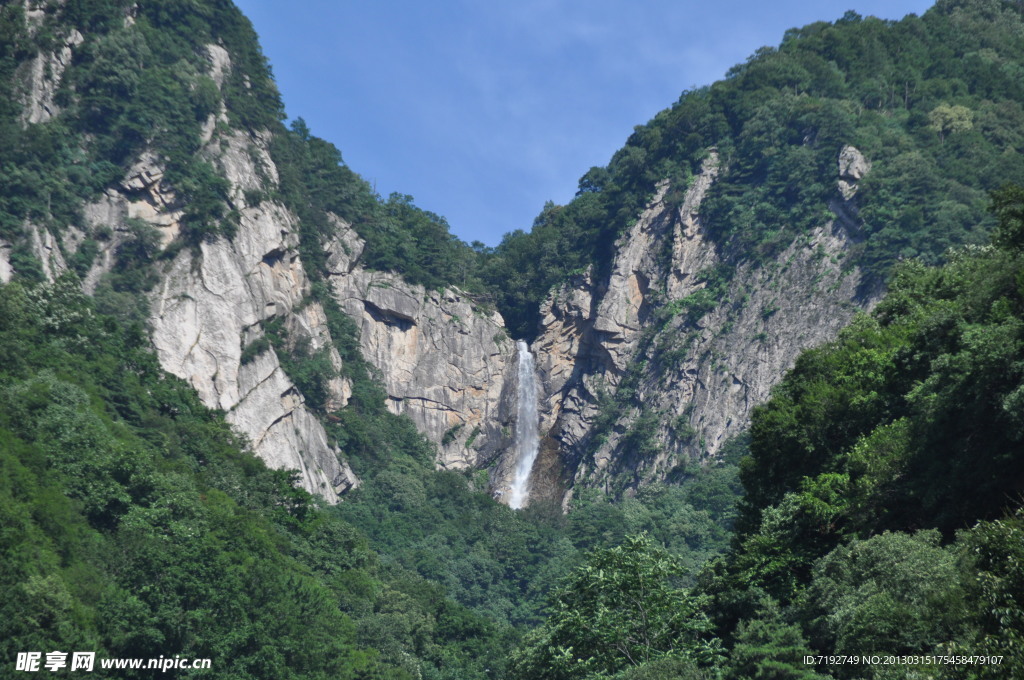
x=636, y=385
x=444, y=360
x=213, y=300
x=41, y=76
x=47, y=250
x=210, y=303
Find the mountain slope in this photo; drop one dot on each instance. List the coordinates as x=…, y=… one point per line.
x=748, y=221
x=167, y=182
x=752, y=220
x=885, y=477
x=188, y=283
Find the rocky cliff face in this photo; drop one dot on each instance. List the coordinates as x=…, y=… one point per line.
x=41, y=76
x=444, y=360
x=638, y=382
x=441, y=358
x=634, y=385
x=640, y=372
x=211, y=303
x=212, y=300
x=210, y=306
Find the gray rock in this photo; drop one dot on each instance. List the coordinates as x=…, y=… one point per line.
x=200, y=315
x=700, y=378
x=210, y=302
x=47, y=251
x=40, y=78
x=852, y=168
x=442, y=358
x=220, y=63
x=6, y=270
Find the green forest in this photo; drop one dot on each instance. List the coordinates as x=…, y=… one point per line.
x=874, y=506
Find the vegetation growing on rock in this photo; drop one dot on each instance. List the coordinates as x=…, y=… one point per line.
x=881, y=510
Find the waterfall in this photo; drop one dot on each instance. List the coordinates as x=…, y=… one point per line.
x=527, y=438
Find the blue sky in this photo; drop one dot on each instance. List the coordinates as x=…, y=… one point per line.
x=485, y=110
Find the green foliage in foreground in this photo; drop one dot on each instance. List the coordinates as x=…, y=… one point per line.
x=913, y=417
x=624, y=608
x=135, y=524
x=884, y=481
x=883, y=509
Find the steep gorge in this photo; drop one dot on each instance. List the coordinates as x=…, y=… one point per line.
x=188, y=282
x=649, y=360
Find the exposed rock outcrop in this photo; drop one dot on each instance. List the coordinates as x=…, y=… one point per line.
x=6, y=270
x=206, y=305
x=41, y=77
x=852, y=168
x=693, y=377
x=589, y=334
x=284, y=433
x=211, y=302
x=152, y=200
x=47, y=251
x=443, y=359
x=213, y=298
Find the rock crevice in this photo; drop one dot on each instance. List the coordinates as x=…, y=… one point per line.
x=442, y=358
x=637, y=384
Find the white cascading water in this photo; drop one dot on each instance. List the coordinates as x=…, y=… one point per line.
x=527, y=438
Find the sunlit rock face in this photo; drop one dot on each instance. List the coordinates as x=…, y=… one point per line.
x=692, y=381
x=211, y=304
x=444, y=359
x=211, y=300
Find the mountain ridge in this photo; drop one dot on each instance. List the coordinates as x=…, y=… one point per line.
x=730, y=156
x=253, y=304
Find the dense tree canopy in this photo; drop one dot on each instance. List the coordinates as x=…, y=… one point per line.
x=624, y=608
x=883, y=485
x=885, y=475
